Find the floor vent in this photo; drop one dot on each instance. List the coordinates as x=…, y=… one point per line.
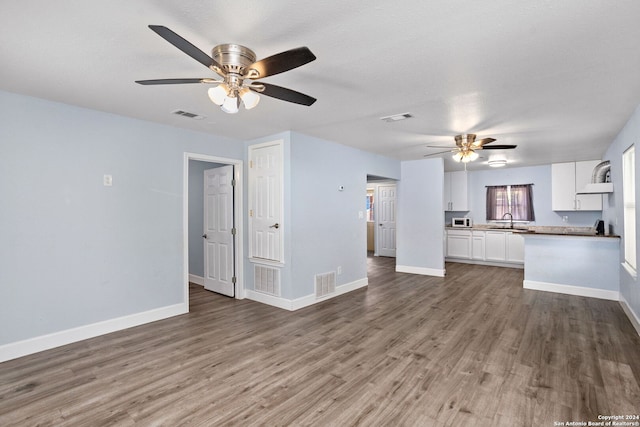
x=267, y=280
x=325, y=284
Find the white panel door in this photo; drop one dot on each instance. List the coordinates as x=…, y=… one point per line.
x=265, y=201
x=387, y=220
x=218, y=227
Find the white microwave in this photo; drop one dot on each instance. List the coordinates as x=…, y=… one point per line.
x=461, y=222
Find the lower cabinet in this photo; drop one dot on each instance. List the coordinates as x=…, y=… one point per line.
x=477, y=245
x=515, y=247
x=496, y=248
x=485, y=246
x=459, y=244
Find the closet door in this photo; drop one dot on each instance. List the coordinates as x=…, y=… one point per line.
x=265, y=201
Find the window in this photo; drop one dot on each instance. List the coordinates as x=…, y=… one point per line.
x=629, y=203
x=516, y=200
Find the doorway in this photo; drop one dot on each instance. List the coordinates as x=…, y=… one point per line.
x=381, y=217
x=195, y=262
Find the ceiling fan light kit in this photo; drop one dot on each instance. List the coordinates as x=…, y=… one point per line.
x=497, y=163
x=238, y=68
x=465, y=156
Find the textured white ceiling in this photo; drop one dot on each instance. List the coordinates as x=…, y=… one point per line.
x=557, y=78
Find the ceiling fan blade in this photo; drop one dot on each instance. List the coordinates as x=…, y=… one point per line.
x=483, y=141
x=441, y=152
x=168, y=81
x=187, y=47
x=281, y=62
x=285, y=94
x=498, y=147
x=458, y=139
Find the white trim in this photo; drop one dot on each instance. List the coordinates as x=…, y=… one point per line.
x=305, y=301
x=268, y=299
x=237, y=213
x=57, y=339
x=519, y=265
x=571, y=290
x=633, y=317
x=198, y=280
x=420, y=270
x=630, y=270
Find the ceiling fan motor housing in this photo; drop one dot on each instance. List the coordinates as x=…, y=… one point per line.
x=234, y=58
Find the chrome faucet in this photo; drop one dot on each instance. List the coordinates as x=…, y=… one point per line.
x=511, y=218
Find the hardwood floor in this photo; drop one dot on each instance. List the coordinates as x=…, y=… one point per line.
x=471, y=349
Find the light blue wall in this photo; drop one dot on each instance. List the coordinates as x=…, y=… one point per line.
x=72, y=251
x=325, y=222
x=324, y=230
x=540, y=176
x=572, y=260
x=613, y=215
x=420, y=231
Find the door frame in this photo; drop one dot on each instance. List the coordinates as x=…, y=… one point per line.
x=237, y=219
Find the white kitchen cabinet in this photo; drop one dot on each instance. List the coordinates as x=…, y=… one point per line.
x=492, y=247
x=477, y=245
x=455, y=194
x=566, y=179
x=495, y=248
x=459, y=244
x=515, y=247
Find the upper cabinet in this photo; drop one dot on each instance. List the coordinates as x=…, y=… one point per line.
x=456, y=195
x=566, y=179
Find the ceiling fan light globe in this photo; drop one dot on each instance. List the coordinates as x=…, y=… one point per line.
x=457, y=156
x=249, y=98
x=218, y=94
x=473, y=156
x=230, y=105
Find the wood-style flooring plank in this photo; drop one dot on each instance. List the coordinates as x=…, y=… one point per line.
x=473, y=348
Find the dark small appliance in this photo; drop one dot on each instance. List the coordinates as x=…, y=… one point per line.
x=599, y=227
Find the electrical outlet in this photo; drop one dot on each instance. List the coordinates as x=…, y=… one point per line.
x=565, y=218
x=107, y=180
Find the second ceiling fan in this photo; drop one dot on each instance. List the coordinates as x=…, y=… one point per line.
x=238, y=68
x=466, y=147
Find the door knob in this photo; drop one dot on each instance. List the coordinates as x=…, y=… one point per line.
x=204, y=236
x=276, y=225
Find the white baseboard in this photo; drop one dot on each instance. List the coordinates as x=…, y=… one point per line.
x=57, y=339
x=198, y=280
x=571, y=290
x=420, y=270
x=306, y=301
x=633, y=317
x=519, y=265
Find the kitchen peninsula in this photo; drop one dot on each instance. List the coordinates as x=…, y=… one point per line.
x=572, y=264
x=565, y=260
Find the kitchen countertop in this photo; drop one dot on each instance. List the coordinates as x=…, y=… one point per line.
x=539, y=230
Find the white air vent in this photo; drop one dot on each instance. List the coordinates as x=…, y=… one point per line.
x=325, y=284
x=396, y=117
x=187, y=114
x=267, y=280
